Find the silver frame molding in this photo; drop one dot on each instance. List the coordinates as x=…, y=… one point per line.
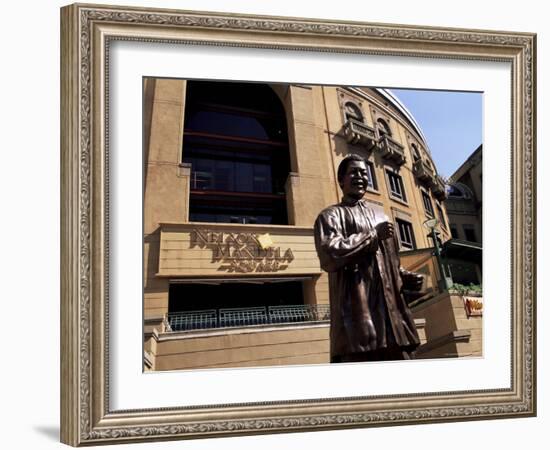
x=86, y=33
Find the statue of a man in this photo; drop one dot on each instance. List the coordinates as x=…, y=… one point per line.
x=357, y=246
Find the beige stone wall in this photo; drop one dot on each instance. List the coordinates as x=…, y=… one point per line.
x=164, y=179
x=469, y=211
x=449, y=331
x=310, y=187
x=243, y=347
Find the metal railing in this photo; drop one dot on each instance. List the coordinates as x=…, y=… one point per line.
x=192, y=320
x=243, y=317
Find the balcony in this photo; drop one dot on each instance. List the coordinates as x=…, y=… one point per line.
x=391, y=149
x=438, y=188
x=423, y=171
x=359, y=133
x=244, y=317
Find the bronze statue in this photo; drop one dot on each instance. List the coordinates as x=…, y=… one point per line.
x=357, y=246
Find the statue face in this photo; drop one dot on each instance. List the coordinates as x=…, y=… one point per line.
x=356, y=179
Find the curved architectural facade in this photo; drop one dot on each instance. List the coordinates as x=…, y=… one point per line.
x=235, y=175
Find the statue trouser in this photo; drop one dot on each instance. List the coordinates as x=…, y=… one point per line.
x=383, y=354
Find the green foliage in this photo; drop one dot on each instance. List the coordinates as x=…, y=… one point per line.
x=463, y=289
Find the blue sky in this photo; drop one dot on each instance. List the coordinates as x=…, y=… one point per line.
x=451, y=122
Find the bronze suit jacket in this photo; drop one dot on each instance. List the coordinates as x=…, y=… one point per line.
x=368, y=311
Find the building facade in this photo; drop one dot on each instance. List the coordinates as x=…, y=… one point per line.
x=235, y=175
x=464, y=207
x=465, y=200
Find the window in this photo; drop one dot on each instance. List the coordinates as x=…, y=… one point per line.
x=352, y=111
x=396, y=186
x=460, y=190
x=372, y=179
x=406, y=235
x=469, y=233
x=441, y=215
x=454, y=232
x=383, y=127
x=415, y=152
x=428, y=207
x=235, y=138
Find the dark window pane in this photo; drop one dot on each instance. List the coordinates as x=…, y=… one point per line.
x=441, y=216
x=244, y=177
x=352, y=111
x=223, y=179
x=262, y=178
x=236, y=141
x=470, y=233
x=396, y=186
x=454, y=232
x=427, y=204
x=406, y=237
x=203, y=177
x=370, y=172
x=226, y=124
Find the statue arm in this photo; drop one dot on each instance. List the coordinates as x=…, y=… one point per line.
x=334, y=250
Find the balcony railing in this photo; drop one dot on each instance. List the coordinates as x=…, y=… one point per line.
x=423, y=171
x=192, y=320
x=359, y=133
x=438, y=188
x=243, y=317
x=391, y=149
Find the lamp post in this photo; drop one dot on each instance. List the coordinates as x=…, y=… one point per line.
x=430, y=224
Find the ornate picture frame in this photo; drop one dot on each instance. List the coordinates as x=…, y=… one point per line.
x=87, y=32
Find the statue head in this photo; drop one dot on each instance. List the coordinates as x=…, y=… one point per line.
x=353, y=176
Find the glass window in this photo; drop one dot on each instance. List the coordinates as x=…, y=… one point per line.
x=415, y=152
x=262, y=178
x=235, y=138
x=244, y=177
x=226, y=124
x=396, y=186
x=405, y=234
x=469, y=233
x=372, y=178
x=441, y=215
x=428, y=207
x=352, y=111
x=383, y=127
x=454, y=232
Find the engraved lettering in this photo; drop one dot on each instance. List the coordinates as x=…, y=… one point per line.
x=241, y=252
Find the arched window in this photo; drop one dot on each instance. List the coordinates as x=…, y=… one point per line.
x=459, y=191
x=415, y=152
x=352, y=111
x=235, y=137
x=383, y=127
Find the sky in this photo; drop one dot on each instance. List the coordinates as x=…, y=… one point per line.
x=450, y=121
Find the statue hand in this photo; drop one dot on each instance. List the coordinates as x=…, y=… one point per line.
x=385, y=230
